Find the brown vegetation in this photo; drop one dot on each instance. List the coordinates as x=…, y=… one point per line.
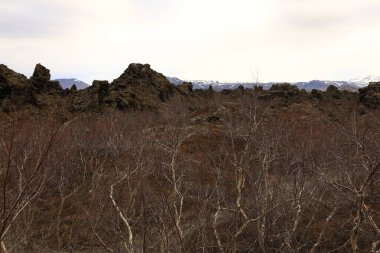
x=239, y=171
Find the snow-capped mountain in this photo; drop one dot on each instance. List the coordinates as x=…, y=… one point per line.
x=352, y=85
x=205, y=84
x=174, y=80
x=363, y=81
x=66, y=83
x=219, y=85
x=323, y=84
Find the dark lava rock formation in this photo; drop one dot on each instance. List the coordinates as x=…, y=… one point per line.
x=140, y=88
x=16, y=91
x=370, y=95
x=41, y=81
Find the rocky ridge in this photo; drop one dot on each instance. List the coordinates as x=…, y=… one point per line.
x=140, y=88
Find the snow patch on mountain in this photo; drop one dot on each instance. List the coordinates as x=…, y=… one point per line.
x=352, y=85
x=363, y=81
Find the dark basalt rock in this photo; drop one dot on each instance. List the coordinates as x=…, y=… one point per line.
x=332, y=89
x=280, y=90
x=370, y=95
x=316, y=94
x=333, y=92
x=141, y=88
x=40, y=74
x=241, y=88
x=102, y=89
x=186, y=88
x=12, y=79
x=41, y=80
x=283, y=87
x=141, y=75
x=138, y=88
x=15, y=90
x=121, y=104
x=140, y=83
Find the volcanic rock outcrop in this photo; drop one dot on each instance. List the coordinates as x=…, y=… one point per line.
x=41, y=81
x=370, y=95
x=333, y=91
x=138, y=88
x=16, y=91
x=138, y=80
x=185, y=88
x=282, y=91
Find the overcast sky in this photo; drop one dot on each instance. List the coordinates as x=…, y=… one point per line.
x=286, y=40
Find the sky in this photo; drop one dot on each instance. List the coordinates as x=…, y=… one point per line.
x=226, y=40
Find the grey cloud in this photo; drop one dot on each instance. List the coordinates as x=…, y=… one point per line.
x=326, y=19
x=368, y=13
x=34, y=20
x=313, y=21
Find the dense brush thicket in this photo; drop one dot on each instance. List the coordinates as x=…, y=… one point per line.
x=223, y=175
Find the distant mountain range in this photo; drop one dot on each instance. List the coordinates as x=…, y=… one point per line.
x=66, y=83
x=364, y=80
x=352, y=84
